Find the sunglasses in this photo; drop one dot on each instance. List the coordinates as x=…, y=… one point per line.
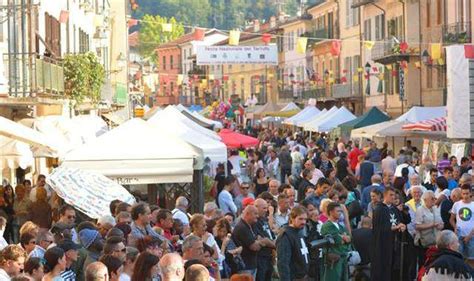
x=245, y=187
x=121, y=250
x=71, y=217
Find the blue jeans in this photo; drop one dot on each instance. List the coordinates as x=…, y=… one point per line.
x=467, y=249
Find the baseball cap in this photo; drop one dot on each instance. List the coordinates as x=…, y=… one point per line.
x=68, y=244
x=247, y=201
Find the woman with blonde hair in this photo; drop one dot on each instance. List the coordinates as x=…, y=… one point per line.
x=199, y=228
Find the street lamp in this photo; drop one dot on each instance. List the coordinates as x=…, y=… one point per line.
x=425, y=56
x=292, y=76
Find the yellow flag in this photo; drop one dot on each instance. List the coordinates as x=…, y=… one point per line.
x=270, y=75
x=369, y=44
x=389, y=67
x=167, y=27
x=435, y=51
x=417, y=64
x=211, y=76
x=234, y=37
x=331, y=80
x=355, y=78
x=360, y=69
x=301, y=45
x=441, y=61
x=381, y=77
x=179, y=79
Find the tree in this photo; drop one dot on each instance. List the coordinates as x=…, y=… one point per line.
x=84, y=77
x=151, y=33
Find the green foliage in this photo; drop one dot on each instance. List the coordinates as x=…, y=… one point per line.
x=84, y=77
x=221, y=14
x=152, y=34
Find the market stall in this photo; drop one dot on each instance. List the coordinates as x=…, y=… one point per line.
x=327, y=124
x=307, y=111
x=323, y=115
x=371, y=117
x=234, y=140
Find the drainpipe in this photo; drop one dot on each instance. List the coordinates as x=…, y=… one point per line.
x=404, y=35
x=420, y=44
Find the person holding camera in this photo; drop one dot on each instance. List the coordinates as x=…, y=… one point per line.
x=335, y=255
x=292, y=252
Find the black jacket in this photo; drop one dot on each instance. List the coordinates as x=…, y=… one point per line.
x=450, y=262
x=293, y=254
x=311, y=234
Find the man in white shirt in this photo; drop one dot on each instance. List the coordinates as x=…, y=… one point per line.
x=281, y=216
x=407, y=164
x=389, y=163
x=226, y=203
x=13, y=261
x=41, y=182
x=180, y=212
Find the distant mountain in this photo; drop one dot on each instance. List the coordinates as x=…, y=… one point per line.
x=221, y=14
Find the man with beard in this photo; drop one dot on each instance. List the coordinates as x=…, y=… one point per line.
x=386, y=224
x=262, y=228
x=292, y=252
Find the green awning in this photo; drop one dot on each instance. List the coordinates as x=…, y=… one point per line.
x=373, y=116
x=121, y=93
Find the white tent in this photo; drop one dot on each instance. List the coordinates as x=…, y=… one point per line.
x=372, y=130
x=309, y=123
x=342, y=115
x=290, y=106
x=198, y=118
x=417, y=113
x=209, y=147
x=14, y=154
x=304, y=115
x=171, y=113
x=217, y=124
x=136, y=153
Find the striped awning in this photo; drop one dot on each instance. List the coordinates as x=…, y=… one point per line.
x=431, y=125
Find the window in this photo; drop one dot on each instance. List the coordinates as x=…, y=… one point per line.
x=164, y=63
x=441, y=77
x=429, y=77
x=171, y=88
x=347, y=68
x=439, y=12
x=83, y=41
x=368, y=29
x=379, y=27
x=53, y=34
x=352, y=15
x=171, y=62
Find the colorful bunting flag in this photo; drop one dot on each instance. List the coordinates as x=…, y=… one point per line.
x=403, y=47
x=301, y=45
x=435, y=51
x=369, y=44
x=394, y=73
x=343, y=79
x=355, y=78
x=167, y=27
x=266, y=38
x=469, y=51
x=179, y=79
x=234, y=37
x=441, y=61
x=199, y=34
x=417, y=64
x=63, y=16
x=211, y=76
x=360, y=69
x=389, y=67
x=335, y=48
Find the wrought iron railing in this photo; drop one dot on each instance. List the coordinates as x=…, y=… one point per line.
x=457, y=33
x=29, y=74
x=345, y=90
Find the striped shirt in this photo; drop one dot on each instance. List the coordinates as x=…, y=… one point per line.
x=68, y=275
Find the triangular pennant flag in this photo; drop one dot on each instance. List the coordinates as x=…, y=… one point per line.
x=199, y=34
x=360, y=69
x=355, y=78
x=335, y=48
x=179, y=79
x=234, y=37
x=389, y=67
x=63, y=16
x=167, y=27
x=211, y=76
x=132, y=22
x=441, y=61
x=266, y=38
x=394, y=73
x=369, y=44
x=380, y=77
x=301, y=45
x=435, y=51
x=343, y=79
x=469, y=51
x=417, y=64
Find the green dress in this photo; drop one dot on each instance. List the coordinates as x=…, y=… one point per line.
x=338, y=271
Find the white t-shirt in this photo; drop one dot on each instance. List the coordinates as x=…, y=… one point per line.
x=445, y=192
x=464, y=217
x=124, y=277
x=182, y=216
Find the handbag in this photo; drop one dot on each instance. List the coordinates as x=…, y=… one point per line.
x=355, y=209
x=353, y=258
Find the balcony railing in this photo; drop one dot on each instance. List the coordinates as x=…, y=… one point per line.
x=31, y=74
x=388, y=51
x=457, y=33
x=345, y=90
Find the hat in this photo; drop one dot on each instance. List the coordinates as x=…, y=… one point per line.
x=247, y=201
x=67, y=245
x=88, y=236
x=107, y=219
x=60, y=227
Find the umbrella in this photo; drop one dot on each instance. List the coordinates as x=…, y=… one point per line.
x=89, y=192
x=236, y=140
x=431, y=125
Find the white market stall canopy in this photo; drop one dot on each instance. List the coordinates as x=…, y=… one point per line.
x=306, y=114
x=172, y=113
x=418, y=113
x=317, y=119
x=14, y=154
x=208, y=123
x=209, y=147
x=136, y=153
x=342, y=115
x=290, y=106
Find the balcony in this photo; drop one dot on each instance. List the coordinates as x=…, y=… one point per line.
x=340, y=91
x=387, y=51
x=166, y=100
x=360, y=3
x=457, y=33
x=32, y=74
x=314, y=93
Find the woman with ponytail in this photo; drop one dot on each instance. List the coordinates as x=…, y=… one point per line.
x=55, y=263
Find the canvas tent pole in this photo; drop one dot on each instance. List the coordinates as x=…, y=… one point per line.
x=197, y=192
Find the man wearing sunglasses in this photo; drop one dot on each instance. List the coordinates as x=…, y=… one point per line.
x=43, y=240
x=67, y=215
x=114, y=246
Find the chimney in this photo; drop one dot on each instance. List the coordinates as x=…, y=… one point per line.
x=272, y=22
x=256, y=25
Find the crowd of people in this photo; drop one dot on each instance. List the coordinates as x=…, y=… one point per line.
x=294, y=208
